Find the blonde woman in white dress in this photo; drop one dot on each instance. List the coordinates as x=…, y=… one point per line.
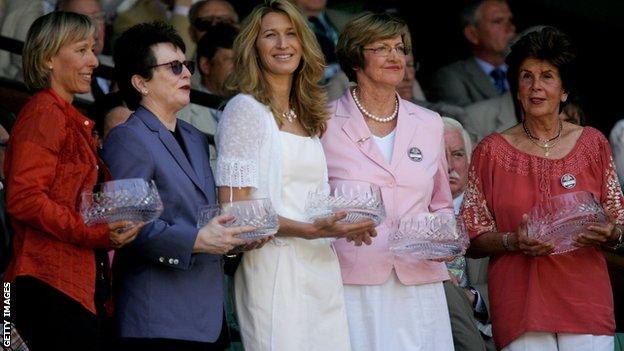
x=288, y=293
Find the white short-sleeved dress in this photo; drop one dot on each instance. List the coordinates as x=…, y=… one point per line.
x=289, y=293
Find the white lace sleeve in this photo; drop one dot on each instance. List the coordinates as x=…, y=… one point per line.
x=241, y=130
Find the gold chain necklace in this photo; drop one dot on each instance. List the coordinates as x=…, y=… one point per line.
x=546, y=145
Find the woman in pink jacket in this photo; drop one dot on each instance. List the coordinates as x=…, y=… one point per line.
x=393, y=302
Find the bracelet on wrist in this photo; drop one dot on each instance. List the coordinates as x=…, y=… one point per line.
x=505, y=241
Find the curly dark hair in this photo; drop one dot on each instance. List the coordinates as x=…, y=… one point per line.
x=133, y=54
x=548, y=44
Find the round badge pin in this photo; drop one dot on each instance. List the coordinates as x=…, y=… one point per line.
x=415, y=154
x=568, y=181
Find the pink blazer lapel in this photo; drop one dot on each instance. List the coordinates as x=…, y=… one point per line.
x=405, y=132
x=356, y=129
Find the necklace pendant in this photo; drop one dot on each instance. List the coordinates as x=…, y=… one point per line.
x=290, y=115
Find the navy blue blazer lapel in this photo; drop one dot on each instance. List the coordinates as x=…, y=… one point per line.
x=165, y=136
x=198, y=154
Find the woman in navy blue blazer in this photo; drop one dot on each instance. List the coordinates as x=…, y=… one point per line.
x=168, y=284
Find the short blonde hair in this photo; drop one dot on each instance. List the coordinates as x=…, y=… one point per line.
x=46, y=36
x=306, y=96
x=365, y=29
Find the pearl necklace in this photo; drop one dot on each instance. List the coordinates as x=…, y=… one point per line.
x=290, y=115
x=372, y=116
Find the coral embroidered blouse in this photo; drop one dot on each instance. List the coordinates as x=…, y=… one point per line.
x=50, y=160
x=568, y=293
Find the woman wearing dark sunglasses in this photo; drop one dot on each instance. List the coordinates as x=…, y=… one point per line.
x=168, y=286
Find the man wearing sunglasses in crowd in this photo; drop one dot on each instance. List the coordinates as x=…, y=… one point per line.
x=205, y=14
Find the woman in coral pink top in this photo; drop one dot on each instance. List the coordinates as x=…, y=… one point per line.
x=541, y=301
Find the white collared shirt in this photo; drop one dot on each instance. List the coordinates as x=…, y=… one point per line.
x=457, y=202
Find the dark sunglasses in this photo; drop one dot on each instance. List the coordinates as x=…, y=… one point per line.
x=176, y=66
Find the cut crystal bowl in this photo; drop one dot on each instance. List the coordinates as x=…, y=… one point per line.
x=429, y=236
x=258, y=213
x=360, y=200
x=134, y=200
x=558, y=219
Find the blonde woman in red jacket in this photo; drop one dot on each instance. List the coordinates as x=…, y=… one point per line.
x=57, y=274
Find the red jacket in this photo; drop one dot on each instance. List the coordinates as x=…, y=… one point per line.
x=50, y=160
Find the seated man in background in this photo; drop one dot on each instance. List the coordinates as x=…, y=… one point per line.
x=214, y=58
x=203, y=15
x=467, y=295
x=410, y=89
x=214, y=64
x=488, y=28
x=207, y=13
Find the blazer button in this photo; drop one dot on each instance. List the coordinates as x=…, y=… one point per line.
x=171, y=261
x=86, y=123
x=176, y=261
x=161, y=259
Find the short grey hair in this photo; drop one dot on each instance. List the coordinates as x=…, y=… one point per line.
x=452, y=125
